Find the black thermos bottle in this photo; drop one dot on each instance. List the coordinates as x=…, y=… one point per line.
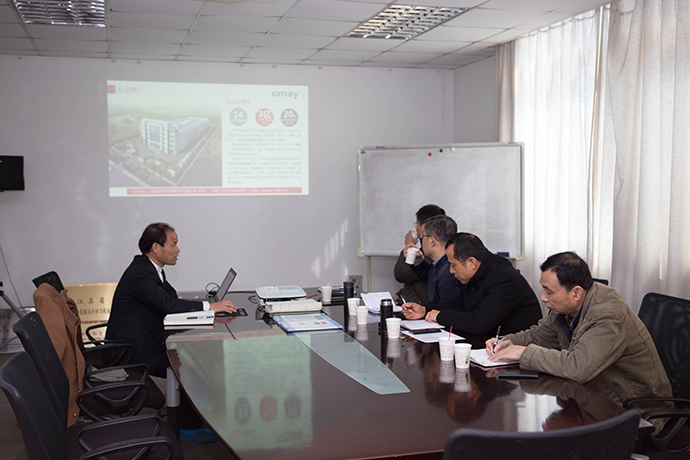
x=386, y=312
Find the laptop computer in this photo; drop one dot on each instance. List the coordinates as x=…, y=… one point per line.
x=224, y=287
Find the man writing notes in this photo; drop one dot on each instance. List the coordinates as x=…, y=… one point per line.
x=414, y=289
x=143, y=297
x=493, y=293
x=590, y=335
x=433, y=267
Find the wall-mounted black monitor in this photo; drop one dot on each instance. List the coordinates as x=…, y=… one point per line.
x=11, y=172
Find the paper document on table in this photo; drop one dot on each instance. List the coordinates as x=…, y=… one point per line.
x=373, y=301
x=481, y=357
x=301, y=323
x=431, y=337
x=418, y=325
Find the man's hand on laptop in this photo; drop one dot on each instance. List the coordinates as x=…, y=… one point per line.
x=223, y=305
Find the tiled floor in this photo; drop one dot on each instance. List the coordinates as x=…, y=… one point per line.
x=13, y=445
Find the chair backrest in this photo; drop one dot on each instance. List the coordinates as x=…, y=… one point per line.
x=668, y=321
x=611, y=439
x=36, y=341
x=43, y=434
x=602, y=281
x=51, y=278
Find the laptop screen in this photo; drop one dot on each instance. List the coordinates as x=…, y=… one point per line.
x=225, y=285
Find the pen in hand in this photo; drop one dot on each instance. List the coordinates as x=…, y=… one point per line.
x=404, y=302
x=496, y=341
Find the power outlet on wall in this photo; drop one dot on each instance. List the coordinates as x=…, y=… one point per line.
x=358, y=279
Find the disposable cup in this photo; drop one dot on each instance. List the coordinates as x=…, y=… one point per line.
x=362, y=314
x=352, y=305
x=326, y=292
x=411, y=255
x=462, y=355
x=445, y=346
x=393, y=327
x=463, y=383
x=447, y=373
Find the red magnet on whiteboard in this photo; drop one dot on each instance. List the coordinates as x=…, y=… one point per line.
x=429, y=153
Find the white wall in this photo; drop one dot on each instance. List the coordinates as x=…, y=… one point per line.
x=53, y=112
x=474, y=102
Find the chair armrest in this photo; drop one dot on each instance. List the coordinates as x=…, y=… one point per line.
x=144, y=445
x=91, y=328
x=121, y=405
x=122, y=351
x=679, y=402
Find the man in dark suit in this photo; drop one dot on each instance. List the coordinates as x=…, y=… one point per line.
x=143, y=297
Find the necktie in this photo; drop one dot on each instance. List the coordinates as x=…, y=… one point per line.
x=163, y=273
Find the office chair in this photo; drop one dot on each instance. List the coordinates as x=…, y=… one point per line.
x=98, y=399
x=668, y=320
x=611, y=439
x=142, y=437
x=602, y=281
x=51, y=278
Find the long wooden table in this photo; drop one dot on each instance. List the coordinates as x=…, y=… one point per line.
x=272, y=395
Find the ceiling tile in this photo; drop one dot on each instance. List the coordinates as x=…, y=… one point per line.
x=212, y=50
x=280, y=53
x=224, y=38
x=7, y=14
x=400, y=65
x=234, y=24
x=416, y=58
x=334, y=10
x=428, y=46
x=147, y=35
x=582, y=6
x=449, y=3
x=458, y=34
x=310, y=27
x=503, y=19
x=183, y=7
x=339, y=55
x=457, y=59
x=271, y=61
x=67, y=32
x=77, y=54
x=15, y=44
x=527, y=5
x=151, y=21
x=12, y=30
x=296, y=41
x=543, y=21
x=80, y=46
x=275, y=10
x=144, y=48
x=363, y=44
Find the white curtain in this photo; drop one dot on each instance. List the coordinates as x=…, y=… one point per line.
x=602, y=103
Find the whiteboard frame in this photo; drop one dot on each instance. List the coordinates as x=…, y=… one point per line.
x=362, y=149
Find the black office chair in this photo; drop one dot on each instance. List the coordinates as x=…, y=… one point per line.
x=142, y=437
x=99, y=400
x=611, y=439
x=51, y=278
x=668, y=320
x=602, y=281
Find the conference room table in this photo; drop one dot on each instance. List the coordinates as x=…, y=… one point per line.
x=354, y=393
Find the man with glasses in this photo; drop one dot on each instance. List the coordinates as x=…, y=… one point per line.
x=414, y=289
x=493, y=293
x=434, y=268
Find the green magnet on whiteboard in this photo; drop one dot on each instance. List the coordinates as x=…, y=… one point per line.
x=363, y=152
x=441, y=150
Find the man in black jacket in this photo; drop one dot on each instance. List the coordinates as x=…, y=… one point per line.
x=143, y=297
x=493, y=293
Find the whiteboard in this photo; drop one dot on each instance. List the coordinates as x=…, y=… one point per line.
x=478, y=185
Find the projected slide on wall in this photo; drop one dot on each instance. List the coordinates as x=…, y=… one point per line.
x=185, y=139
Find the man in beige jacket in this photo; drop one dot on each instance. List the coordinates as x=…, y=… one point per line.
x=591, y=336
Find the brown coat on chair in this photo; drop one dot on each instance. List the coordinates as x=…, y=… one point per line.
x=61, y=318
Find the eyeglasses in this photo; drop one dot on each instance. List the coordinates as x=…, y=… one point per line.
x=421, y=236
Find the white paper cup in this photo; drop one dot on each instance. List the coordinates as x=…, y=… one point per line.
x=326, y=292
x=394, y=348
x=362, y=333
x=352, y=305
x=445, y=346
x=462, y=355
x=463, y=383
x=393, y=327
x=447, y=373
x=362, y=314
x=411, y=255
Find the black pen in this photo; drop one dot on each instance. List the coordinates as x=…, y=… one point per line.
x=496, y=341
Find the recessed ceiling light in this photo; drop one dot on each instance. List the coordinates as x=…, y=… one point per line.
x=62, y=12
x=402, y=22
